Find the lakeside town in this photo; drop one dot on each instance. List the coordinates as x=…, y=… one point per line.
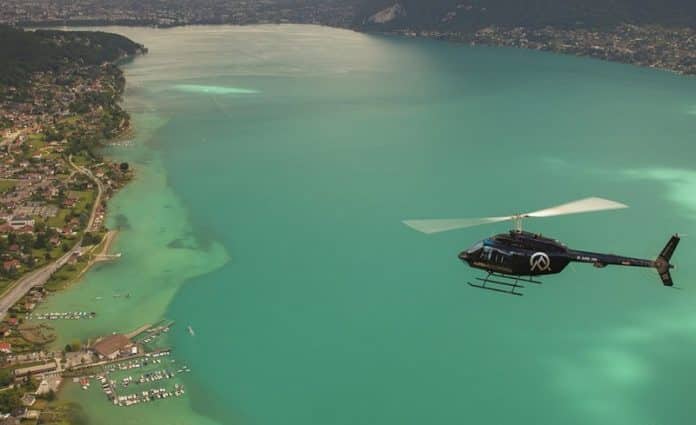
x=322, y=12
x=671, y=49
x=667, y=47
x=54, y=185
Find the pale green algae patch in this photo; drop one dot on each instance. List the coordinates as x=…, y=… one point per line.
x=198, y=88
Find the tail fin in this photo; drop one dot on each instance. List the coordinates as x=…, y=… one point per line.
x=662, y=263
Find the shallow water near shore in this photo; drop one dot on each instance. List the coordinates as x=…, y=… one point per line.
x=266, y=215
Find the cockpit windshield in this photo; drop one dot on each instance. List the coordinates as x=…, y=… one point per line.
x=476, y=247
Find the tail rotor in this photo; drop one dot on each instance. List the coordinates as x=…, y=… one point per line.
x=662, y=262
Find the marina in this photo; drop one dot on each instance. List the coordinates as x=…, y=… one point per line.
x=125, y=365
x=70, y=315
x=116, y=377
x=148, y=396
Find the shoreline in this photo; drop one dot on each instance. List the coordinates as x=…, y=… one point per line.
x=102, y=256
x=657, y=48
x=74, y=146
x=660, y=47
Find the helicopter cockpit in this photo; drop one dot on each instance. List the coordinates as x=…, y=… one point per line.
x=486, y=251
x=478, y=246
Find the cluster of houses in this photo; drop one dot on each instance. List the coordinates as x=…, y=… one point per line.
x=651, y=46
x=48, y=372
x=26, y=200
x=109, y=348
x=39, y=124
x=50, y=100
x=328, y=12
x=44, y=205
x=9, y=326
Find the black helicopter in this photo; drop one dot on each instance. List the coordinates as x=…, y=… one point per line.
x=519, y=256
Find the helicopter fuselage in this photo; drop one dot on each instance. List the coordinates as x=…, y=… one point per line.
x=520, y=253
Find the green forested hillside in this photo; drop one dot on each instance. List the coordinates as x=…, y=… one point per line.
x=23, y=52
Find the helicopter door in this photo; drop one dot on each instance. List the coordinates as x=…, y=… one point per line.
x=498, y=257
x=493, y=255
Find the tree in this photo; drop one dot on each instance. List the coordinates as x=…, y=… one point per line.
x=10, y=400
x=40, y=241
x=40, y=226
x=92, y=238
x=5, y=377
x=31, y=385
x=76, y=345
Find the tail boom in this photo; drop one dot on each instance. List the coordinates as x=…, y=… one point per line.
x=661, y=263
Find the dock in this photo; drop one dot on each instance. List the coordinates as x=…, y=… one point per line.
x=138, y=331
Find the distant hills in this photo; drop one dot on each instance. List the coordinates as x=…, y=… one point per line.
x=435, y=15
x=467, y=15
x=24, y=52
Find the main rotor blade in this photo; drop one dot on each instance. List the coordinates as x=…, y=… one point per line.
x=580, y=206
x=435, y=226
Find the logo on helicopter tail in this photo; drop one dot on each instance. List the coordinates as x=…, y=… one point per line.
x=540, y=262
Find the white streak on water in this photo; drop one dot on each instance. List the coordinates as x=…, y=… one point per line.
x=198, y=88
x=681, y=184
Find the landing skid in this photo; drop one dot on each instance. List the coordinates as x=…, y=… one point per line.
x=504, y=283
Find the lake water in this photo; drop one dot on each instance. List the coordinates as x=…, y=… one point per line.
x=275, y=164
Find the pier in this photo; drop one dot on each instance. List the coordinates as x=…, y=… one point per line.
x=138, y=331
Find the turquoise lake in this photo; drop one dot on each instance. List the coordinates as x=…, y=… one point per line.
x=275, y=164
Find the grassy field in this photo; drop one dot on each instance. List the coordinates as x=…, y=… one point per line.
x=59, y=219
x=4, y=283
x=66, y=274
x=36, y=142
x=55, y=251
x=7, y=185
x=84, y=204
x=81, y=160
x=58, y=412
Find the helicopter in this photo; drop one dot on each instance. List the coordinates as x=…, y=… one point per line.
x=510, y=259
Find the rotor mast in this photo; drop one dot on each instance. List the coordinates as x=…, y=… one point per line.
x=517, y=221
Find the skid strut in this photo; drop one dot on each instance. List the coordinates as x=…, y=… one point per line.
x=503, y=283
